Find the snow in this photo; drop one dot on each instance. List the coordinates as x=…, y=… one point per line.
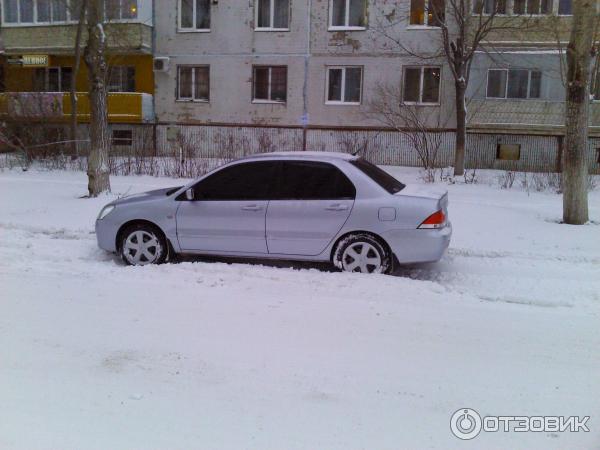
x=198, y=355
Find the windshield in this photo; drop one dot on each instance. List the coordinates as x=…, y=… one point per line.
x=379, y=176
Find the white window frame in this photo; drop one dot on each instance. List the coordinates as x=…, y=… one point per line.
x=343, y=87
x=421, y=78
x=271, y=17
x=346, y=27
x=122, y=72
x=269, y=84
x=425, y=25
x=60, y=77
x=52, y=22
x=529, y=72
x=193, y=29
x=507, y=9
x=120, y=19
x=192, y=98
x=538, y=14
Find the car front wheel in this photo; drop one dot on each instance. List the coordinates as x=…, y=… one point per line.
x=362, y=253
x=142, y=244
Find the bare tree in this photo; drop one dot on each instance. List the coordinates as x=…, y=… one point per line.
x=95, y=60
x=464, y=27
x=417, y=123
x=580, y=51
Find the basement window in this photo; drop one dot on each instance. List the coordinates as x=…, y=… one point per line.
x=194, y=15
x=508, y=152
x=272, y=15
x=269, y=84
x=598, y=156
x=427, y=12
x=347, y=14
x=122, y=137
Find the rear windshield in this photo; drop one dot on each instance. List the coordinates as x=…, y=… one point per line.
x=379, y=176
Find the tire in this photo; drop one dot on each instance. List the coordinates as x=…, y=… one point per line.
x=363, y=253
x=154, y=249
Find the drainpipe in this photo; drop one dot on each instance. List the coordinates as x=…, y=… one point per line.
x=153, y=51
x=305, y=85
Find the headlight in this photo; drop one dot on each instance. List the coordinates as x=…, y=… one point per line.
x=105, y=211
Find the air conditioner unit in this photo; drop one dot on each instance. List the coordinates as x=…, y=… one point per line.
x=161, y=63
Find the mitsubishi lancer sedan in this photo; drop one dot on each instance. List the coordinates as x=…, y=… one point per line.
x=311, y=206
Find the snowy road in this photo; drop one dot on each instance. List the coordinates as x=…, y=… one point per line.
x=96, y=355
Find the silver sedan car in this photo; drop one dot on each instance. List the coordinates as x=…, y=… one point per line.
x=311, y=206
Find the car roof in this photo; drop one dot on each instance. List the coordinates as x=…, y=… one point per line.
x=303, y=154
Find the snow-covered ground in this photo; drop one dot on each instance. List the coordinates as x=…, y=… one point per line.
x=208, y=355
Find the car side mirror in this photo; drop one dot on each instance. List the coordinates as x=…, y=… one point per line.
x=189, y=194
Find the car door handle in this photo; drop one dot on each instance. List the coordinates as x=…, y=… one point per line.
x=252, y=208
x=337, y=207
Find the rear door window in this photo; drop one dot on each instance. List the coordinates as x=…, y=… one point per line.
x=312, y=180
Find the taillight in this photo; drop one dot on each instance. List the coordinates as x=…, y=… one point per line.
x=436, y=220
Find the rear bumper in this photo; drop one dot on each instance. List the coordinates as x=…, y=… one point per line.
x=419, y=246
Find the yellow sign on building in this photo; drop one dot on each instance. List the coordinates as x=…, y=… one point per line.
x=35, y=60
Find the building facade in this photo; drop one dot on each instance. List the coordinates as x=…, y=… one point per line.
x=229, y=78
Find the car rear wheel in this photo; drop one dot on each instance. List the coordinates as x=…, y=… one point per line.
x=143, y=244
x=362, y=253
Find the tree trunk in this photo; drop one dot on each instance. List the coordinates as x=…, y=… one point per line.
x=95, y=60
x=579, y=57
x=461, y=129
x=80, y=25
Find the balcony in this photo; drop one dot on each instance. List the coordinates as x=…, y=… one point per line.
x=59, y=39
x=523, y=116
x=123, y=107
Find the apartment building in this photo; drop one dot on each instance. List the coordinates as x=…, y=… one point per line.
x=252, y=75
x=36, y=68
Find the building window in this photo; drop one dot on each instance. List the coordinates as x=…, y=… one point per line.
x=194, y=15
x=122, y=137
x=489, y=7
x=272, y=14
x=598, y=156
x=2, y=85
x=344, y=85
x=347, y=14
x=508, y=152
x=565, y=7
x=121, y=9
x=38, y=11
x=193, y=83
x=52, y=79
x=121, y=79
x=422, y=85
x=514, y=83
x=269, y=84
x=532, y=7
x=432, y=15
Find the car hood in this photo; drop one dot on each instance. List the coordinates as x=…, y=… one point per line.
x=419, y=190
x=146, y=196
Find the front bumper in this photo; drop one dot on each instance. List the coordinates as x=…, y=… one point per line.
x=106, y=234
x=419, y=246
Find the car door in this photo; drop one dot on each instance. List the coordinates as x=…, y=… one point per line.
x=228, y=211
x=309, y=206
